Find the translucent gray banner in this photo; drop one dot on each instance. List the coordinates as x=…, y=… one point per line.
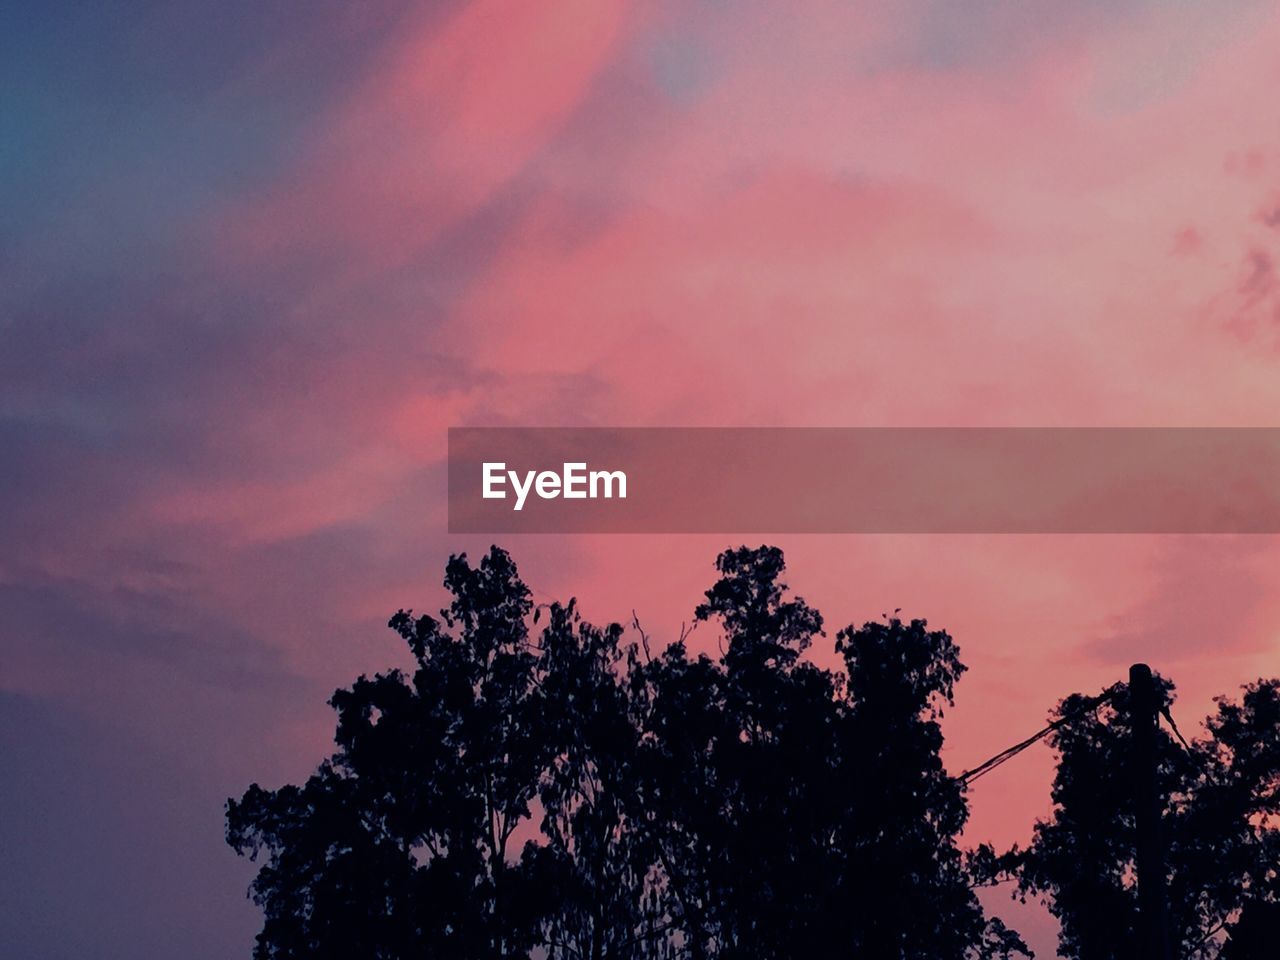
x=864, y=480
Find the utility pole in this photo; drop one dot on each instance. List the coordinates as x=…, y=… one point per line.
x=1144, y=706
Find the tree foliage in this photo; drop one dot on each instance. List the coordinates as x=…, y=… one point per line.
x=537, y=785
x=1220, y=830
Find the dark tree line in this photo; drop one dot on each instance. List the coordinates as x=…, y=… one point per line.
x=541, y=786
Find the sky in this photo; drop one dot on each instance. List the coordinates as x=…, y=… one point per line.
x=256, y=258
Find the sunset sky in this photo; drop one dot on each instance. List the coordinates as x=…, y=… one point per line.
x=256, y=258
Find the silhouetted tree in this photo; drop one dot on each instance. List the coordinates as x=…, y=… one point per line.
x=904, y=876
x=568, y=795
x=814, y=813
x=738, y=753
x=1221, y=796
x=399, y=845
x=595, y=868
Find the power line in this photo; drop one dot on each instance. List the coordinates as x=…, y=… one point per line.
x=1199, y=761
x=1090, y=704
x=1173, y=725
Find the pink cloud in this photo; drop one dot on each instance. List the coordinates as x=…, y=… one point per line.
x=450, y=116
